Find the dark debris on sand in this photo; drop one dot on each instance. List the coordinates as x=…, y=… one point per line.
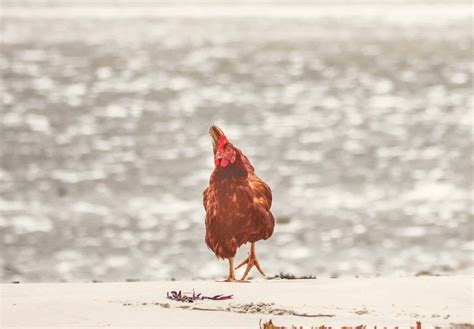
x=288, y=276
x=188, y=298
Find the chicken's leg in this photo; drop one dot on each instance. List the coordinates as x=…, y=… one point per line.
x=231, y=277
x=251, y=261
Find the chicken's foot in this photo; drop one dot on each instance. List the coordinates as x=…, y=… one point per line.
x=251, y=261
x=231, y=276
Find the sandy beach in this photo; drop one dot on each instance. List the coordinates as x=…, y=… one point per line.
x=434, y=301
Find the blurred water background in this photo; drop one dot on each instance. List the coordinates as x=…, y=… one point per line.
x=358, y=116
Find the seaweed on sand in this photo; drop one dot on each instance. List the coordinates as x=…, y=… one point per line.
x=183, y=297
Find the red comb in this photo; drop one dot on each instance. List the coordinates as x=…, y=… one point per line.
x=222, y=141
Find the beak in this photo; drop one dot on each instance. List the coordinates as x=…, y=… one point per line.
x=215, y=133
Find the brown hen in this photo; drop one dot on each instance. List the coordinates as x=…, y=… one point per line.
x=237, y=204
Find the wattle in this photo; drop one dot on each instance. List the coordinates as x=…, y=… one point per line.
x=224, y=162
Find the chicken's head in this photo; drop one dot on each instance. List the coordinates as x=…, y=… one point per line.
x=224, y=151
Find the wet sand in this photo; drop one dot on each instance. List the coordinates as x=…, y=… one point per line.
x=434, y=301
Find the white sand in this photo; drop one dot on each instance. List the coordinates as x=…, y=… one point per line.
x=353, y=301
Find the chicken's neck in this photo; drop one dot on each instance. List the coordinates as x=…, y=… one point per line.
x=231, y=171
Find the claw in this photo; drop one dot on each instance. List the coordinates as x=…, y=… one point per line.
x=234, y=280
x=251, y=261
x=231, y=276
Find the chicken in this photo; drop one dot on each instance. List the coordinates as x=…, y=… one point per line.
x=237, y=204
